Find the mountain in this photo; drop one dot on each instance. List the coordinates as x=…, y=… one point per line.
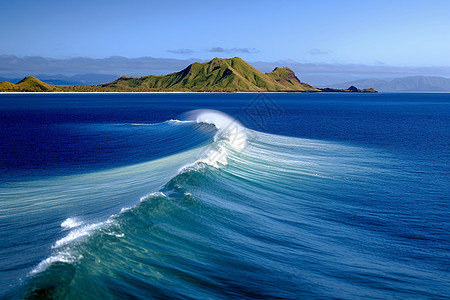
x=217, y=75
x=6, y=86
x=28, y=84
x=79, y=79
x=351, y=89
x=405, y=84
x=286, y=77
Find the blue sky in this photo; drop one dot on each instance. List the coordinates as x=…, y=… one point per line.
x=395, y=32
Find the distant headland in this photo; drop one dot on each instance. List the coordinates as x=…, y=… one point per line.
x=217, y=75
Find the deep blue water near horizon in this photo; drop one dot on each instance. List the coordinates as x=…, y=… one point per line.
x=320, y=196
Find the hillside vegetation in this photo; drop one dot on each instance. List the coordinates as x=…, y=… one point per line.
x=217, y=75
x=28, y=84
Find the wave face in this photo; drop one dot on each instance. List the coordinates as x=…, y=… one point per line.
x=239, y=214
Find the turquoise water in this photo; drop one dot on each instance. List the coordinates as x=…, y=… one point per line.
x=278, y=196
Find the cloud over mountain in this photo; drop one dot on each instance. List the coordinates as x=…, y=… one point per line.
x=233, y=50
x=181, y=51
x=11, y=65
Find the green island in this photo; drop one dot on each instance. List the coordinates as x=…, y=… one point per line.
x=217, y=75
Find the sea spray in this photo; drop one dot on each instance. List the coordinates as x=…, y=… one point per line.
x=231, y=136
x=70, y=223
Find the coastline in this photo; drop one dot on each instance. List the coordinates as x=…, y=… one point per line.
x=156, y=92
x=262, y=92
x=254, y=92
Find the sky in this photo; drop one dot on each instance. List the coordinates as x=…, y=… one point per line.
x=375, y=33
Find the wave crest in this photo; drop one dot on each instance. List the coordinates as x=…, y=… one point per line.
x=231, y=136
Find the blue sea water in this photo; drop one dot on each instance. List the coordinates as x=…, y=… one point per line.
x=219, y=196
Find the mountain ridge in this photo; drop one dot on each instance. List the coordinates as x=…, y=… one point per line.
x=403, y=84
x=217, y=75
x=28, y=84
x=64, y=80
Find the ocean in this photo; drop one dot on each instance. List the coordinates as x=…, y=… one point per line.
x=225, y=196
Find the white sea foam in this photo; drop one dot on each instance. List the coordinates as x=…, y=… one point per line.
x=231, y=135
x=152, y=194
x=124, y=209
x=63, y=250
x=172, y=121
x=70, y=223
x=175, y=121
x=78, y=233
x=63, y=256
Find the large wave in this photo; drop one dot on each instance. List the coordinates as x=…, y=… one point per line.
x=230, y=137
x=248, y=215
